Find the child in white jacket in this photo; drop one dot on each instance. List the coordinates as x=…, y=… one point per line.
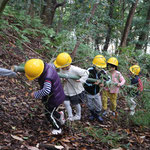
x=73, y=89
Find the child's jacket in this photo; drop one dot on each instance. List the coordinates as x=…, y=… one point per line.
x=116, y=77
x=57, y=96
x=90, y=87
x=72, y=87
x=136, y=81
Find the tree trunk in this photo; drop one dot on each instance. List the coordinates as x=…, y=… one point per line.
x=2, y=5
x=128, y=24
x=31, y=11
x=50, y=9
x=60, y=20
x=108, y=37
x=143, y=38
x=87, y=21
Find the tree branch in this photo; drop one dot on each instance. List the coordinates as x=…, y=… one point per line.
x=60, y=4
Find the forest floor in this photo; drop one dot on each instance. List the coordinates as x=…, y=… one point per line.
x=24, y=126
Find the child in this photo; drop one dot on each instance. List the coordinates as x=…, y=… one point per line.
x=51, y=91
x=113, y=91
x=6, y=72
x=136, y=81
x=73, y=89
x=92, y=89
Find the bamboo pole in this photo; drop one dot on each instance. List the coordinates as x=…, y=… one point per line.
x=21, y=69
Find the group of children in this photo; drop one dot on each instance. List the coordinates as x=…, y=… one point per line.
x=71, y=92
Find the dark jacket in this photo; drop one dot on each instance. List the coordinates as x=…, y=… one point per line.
x=57, y=96
x=136, y=81
x=90, y=87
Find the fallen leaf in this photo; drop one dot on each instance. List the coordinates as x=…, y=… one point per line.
x=65, y=140
x=59, y=147
x=17, y=138
x=140, y=139
x=119, y=148
x=32, y=148
x=12, y=98
x=128, y=131
x=3, y=96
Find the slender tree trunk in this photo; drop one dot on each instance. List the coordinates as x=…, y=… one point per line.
x=143, y=37
x=50, y=9
x=97, y=43
x=108, y=37
x=128, y=24
x=60, y=20
x=2, y=5
x=31, y=11
x=87, y=21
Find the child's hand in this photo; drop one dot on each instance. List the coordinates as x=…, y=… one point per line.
x=101, y=85
x=118, y=85
x=97, y=83
x=64, y=80
x=77, y=80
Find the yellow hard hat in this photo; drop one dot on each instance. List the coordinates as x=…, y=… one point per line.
x=135, y=69
x=34, y=68
x=99, y=61
x=113, y=61
x=63, y=60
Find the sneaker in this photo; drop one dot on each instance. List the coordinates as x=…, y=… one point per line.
x=76, y=117
x=62, y=119
x=113, y=113
x=100, y=119
x=91, y=118
x=132, y=112
x=70, y=119
x=104, y=113
x=56, y=132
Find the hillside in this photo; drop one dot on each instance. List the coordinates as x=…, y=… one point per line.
x=24, y=126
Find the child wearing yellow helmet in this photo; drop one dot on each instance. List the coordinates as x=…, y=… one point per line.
x=136, y=82
x=74, y=91
x=51, y=91
x=112, y=92
x=93, y=89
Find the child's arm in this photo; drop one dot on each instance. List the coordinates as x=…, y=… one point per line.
x=140, y=85
x=122, y=80
x=6, y=72
x=44, y=91
x=83, y=74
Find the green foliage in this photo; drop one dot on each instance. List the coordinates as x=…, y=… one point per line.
x=111, y=138
x=142, y=118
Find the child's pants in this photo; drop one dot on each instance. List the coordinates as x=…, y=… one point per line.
x=94, y=102
x=52, y=115
x=69, y=109
x=113, y=99
x=132, y=105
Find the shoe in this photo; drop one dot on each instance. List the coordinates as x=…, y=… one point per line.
x=76, y=117
x=113, y=113
x=62, y=119
x=104, y=113
x=132, y=112
x=56, y=132
x=91, y=118
x=133, y=107
x=70, y=119
x=100, y=119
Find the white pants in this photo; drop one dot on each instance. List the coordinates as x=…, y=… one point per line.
x=132, y=105
x=69, y=109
